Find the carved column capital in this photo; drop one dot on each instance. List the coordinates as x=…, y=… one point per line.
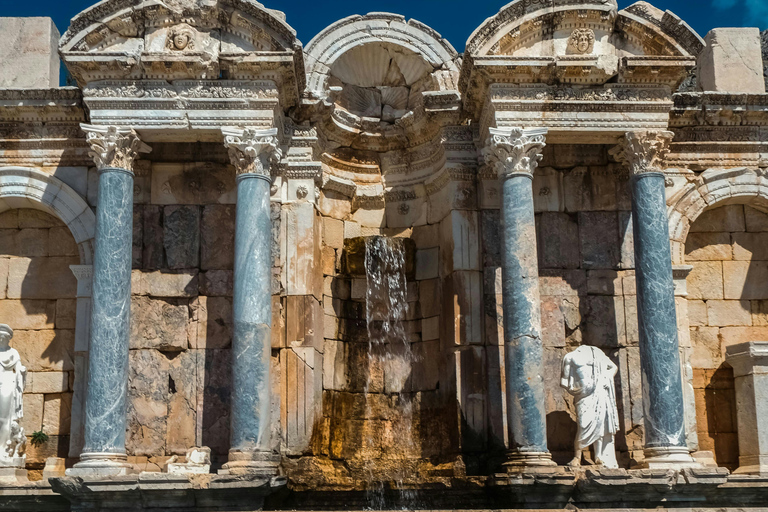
x=113, y=147
x=252, y=151
x=514, y=150
x=643, y=151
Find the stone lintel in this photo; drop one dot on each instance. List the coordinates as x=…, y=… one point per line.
x=748, y=358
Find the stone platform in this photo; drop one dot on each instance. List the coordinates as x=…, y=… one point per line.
x=707, y=489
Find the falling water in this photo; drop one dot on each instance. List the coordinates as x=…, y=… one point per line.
x=385, y=310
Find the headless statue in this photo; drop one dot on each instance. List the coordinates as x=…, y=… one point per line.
x=13, y=376
x=587, y=374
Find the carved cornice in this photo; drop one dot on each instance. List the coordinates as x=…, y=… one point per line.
x=514, y=150
x=252, y=151
x=643, y=151
x=113, y=147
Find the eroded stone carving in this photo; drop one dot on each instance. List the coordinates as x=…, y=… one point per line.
x=514, y=150
x=587, y=374
x=13, y=377
x=181, y=38
x=113, y=147
x=252, y=151
x=197, y=461
x=643, y=151
x=582, y=40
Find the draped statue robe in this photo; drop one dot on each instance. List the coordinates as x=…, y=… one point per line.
x=12, y=381
x=587, y=374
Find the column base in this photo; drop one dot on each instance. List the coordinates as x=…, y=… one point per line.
x=669, y=457
x=752, y=465
x=101, y=465
x=525, y=461
x=13, y=475
x=251, y=463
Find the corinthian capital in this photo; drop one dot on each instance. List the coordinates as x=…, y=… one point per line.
x=113, y=147
x=252, y=151
x=643, y=151
x=514, y=150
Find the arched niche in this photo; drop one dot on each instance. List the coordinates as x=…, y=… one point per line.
x=22, y=187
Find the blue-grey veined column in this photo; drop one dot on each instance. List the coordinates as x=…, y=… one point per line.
x=251, y=152
x=663, y=404
x=113, y=150
x=515, y=154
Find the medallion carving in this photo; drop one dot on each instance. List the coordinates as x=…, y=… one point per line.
x=582, y=40
x=181, y=38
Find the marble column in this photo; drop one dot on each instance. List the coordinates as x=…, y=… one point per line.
x=252, y=152
x=750, y=371
x=113, y=150
x=663, y=404
x=514, y=154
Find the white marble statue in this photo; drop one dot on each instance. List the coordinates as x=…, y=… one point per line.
x=13, y=377
x=587, y=374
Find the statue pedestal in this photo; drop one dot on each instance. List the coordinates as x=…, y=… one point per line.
x=13, y=471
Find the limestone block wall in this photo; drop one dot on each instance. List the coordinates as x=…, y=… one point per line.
x=37, y=299
x=727, y=304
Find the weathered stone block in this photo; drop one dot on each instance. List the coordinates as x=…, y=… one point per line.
x=193, y=183
x=214, y=323
x=600, y=246
x=57, y=414
x=148, y=390
x=159, y=323
x=4, y=264
x=706, y=347
x=728, y=218
x=61, y=242
x=750, y=246
x=756, y=221
x=44, y=351
x=304, y=321
x=47, y=382
x=29, y=53
x=32, y=421
x=335, y=365
x=333, y=233
x=181, y=236
x=604, y=282
x=552, y=322
x=153, y=256
x=745, y=279
x=732, y=61
x=427, y=262
x=697, y=313
x=558, y=240
x=32, y=242
x=217, y=283
x=182, y=403
x=760, y=312
x=732, y=335
x=427, y=236
x=706, y=280
x=465, y=307
x=28, y=314
x=302, y=372
x=708, y=247
x=565, y=282
x=605, y=322
x=426, y=368
x=627, y=237
x=165, y=284
x=31, y=218
x=723, y=313
x=42, y=278
x=66, y=313
x=217, y=249
x=460, y=246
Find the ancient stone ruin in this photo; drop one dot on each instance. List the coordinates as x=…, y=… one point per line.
x=370, y=272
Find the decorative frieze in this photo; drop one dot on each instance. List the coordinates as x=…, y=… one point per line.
x=252, y=151
x=113, y=147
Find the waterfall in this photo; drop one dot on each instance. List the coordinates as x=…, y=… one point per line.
x=388, y=344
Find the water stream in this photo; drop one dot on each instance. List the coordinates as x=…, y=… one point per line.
x=389, y=347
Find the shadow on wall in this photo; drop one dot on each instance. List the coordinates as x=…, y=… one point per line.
x=39, y=303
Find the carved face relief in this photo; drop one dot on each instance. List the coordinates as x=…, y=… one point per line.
x=582, y=40
x=181, y=38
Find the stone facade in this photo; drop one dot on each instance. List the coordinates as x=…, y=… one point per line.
x=580, y=176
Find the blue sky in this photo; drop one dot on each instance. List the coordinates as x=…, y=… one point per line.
x=454, y=19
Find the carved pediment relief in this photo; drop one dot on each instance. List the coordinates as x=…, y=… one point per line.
x=182, y=39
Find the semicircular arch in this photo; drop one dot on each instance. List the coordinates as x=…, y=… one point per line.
x=711, y=189
x=22, y=187
x=381, y=29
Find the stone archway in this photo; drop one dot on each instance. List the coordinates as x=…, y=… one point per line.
x=22, y=187
x=712, y=188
